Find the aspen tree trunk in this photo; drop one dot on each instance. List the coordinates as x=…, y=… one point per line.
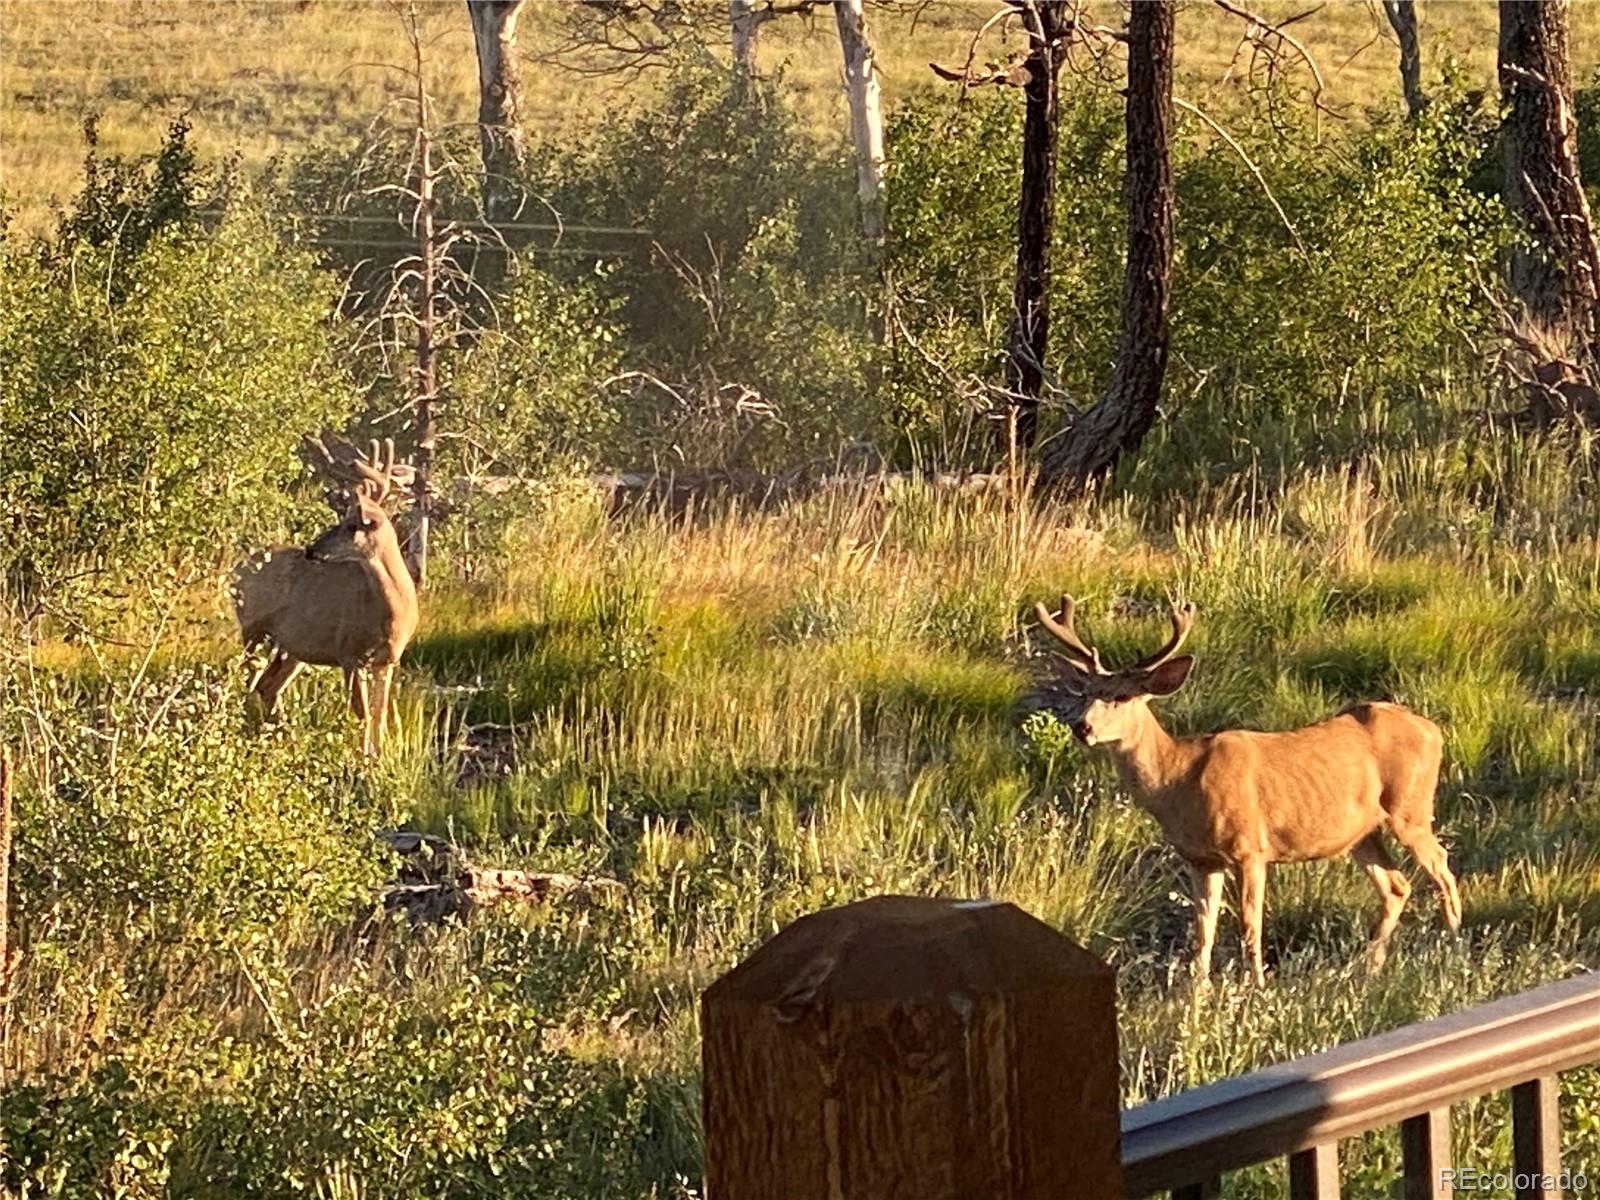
x=1119, y=421
x=424, y=421
x=1555, y=268
x=866, y=120
x=1402, y=16
x=494, y=32
x=745, y=21
x=1030, y=317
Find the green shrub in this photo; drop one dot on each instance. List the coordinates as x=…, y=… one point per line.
x=156, y=815
x=1287, y=346
x=151, y=402
x=528, y=396
x=748, y=295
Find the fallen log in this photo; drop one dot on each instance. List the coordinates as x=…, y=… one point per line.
x=436, y=881
x=681, y=491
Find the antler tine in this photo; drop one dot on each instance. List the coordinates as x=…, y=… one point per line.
x=1182, y=618
x=1065, y=631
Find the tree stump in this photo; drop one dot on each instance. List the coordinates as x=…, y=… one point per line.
x=905, y=1047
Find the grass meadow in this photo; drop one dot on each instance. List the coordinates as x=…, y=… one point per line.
x=742, y=714
x=749, y=715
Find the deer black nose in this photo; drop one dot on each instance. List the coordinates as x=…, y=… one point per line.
x=1081, y=728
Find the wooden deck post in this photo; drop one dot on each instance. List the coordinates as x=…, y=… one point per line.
x=912, y=1049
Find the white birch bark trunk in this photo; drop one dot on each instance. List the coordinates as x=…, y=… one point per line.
x=745, y=21
x=866, y=117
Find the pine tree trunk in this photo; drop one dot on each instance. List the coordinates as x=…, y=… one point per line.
x=1402, y=16
x=1555, y=268
x=866, y=119
x=494, y=31
x=1030, y=297
x=1119, y=421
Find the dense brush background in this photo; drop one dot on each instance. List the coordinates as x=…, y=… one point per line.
x=745, y=715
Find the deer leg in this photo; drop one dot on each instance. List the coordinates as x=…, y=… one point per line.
x=1252, y=903
x=355, y=679
x=1431, y=857
x=355, y=690
x=378, y=710
x=274, y=676
x=1207, y=891
x=1393, y=891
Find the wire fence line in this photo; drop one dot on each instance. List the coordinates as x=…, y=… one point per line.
x=397, y=243
x=559, y=227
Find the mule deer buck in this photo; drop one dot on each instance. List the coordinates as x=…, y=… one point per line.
x=1240, y=800
x=347, y=600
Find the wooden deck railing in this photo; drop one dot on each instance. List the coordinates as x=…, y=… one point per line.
x=942, y=1050
x=1300, y=1110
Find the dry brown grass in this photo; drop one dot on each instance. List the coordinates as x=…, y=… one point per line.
x=268, y=77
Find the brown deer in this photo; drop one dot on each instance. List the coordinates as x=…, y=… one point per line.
x=1241, y=800
x=347, y=600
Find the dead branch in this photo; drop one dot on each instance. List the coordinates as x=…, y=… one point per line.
x=1250, y=164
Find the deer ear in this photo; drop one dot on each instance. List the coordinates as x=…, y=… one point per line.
x=1169, y=676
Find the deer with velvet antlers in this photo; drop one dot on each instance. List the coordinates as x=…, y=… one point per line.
x=1240, y=800
x=347, y=600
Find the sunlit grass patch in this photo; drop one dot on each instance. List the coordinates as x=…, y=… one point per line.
x=753, y=715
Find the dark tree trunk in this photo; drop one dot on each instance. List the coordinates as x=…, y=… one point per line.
x=494, y=32
x=1402, y=16
x=1118, y=422
x=1030, y=318
x=1555, y=268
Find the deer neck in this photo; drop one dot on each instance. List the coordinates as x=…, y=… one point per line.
x=393, y=578
x=1149, y=761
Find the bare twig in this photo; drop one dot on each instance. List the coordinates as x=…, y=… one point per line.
x=1250, y=164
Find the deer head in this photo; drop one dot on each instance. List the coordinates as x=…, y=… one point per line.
x=349, y=470
x=365, y=531
x=1114, y=702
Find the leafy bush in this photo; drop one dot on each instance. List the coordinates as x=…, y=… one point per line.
x=749, y=297
x=1284, y=342
x=1295, y=345
x=154, y=815
x=153, y=386
x=528, y=397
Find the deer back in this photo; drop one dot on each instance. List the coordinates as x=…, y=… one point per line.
x=345, y=600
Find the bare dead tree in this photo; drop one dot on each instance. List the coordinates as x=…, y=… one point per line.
x=1117, y=424
x=424, y=424
x=494, y=34
x=428, y=299
x=1402, y=15
x=1555, y=267
x=1273, y=50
